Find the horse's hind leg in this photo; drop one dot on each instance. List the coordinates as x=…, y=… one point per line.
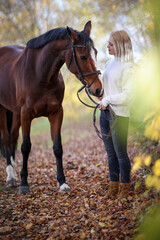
x=55, y=123
x=13, y=135
x=6, y=148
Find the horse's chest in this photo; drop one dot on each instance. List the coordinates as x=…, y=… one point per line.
x=46, y=105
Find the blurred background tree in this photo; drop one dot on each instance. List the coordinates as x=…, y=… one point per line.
x=22, y=20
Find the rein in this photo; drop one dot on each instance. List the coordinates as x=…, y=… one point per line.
x=87, y=105
x=113, y=115
x=114, y=118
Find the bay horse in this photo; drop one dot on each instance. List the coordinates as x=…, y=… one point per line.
x=31, y=86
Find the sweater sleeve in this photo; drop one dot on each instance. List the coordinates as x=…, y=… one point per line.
x=124, y=97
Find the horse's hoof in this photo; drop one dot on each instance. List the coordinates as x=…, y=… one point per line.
x=11, y=183
x=24, y=189
x=64, y=188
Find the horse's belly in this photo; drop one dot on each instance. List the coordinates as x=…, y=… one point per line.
x=8, y=98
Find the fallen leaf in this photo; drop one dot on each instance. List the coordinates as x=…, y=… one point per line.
x=29, y=225
x=5, y=229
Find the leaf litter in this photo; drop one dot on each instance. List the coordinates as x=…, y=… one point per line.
x=82, y=213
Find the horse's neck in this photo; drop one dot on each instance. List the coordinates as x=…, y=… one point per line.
x=47, y=61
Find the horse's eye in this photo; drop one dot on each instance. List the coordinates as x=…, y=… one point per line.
x=83, y=57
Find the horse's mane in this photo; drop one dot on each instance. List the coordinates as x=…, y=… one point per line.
x=58, y=33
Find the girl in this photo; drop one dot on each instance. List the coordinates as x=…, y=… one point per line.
x=114, y=117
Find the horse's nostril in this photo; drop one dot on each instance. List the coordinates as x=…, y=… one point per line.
x=97, y=92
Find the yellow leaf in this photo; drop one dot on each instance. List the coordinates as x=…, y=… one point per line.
x=158, y=185
x=137, y=163
x=153, y=181
x=59, y=196
x=82, y=235
x=98, y=164
x=147, y=161
x=101, y=224
x=110, y=225
x=156, y=168
x=148, y=181
x=66, y=204
x=29, y=225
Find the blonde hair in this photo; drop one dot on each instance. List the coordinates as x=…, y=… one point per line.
x=122, y=45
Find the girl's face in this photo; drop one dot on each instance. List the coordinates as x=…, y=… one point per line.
x=110, y=47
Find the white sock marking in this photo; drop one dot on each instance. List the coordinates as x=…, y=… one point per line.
x=11, y=172
x=64, y=187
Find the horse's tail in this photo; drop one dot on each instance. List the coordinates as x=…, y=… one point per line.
x=9, y=120
x=9, y=125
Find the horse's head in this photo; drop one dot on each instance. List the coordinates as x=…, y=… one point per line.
x=80, y=59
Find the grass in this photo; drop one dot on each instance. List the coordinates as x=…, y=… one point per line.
x=40, y=127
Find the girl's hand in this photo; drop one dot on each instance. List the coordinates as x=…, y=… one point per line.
x=100, y=98
x=101, y=106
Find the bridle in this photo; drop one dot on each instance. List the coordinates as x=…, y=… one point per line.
x=86, y=85
x=82, y=76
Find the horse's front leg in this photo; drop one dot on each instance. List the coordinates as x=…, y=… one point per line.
x=25, y=149
x=55, y=124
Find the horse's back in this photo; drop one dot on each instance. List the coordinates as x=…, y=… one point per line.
x=10, y=48
x=10, y=53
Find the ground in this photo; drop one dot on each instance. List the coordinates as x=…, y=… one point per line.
x=82, y=213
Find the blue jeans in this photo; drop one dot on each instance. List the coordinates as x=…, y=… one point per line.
x=115, y=131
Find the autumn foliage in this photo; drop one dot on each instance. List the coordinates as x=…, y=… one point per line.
x=84, y=212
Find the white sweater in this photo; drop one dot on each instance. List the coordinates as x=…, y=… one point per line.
x=117, y=81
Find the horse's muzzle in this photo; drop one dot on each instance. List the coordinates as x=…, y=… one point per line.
x=98, y=92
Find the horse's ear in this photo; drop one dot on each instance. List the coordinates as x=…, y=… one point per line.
x=73, y=35
x=87, y=28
